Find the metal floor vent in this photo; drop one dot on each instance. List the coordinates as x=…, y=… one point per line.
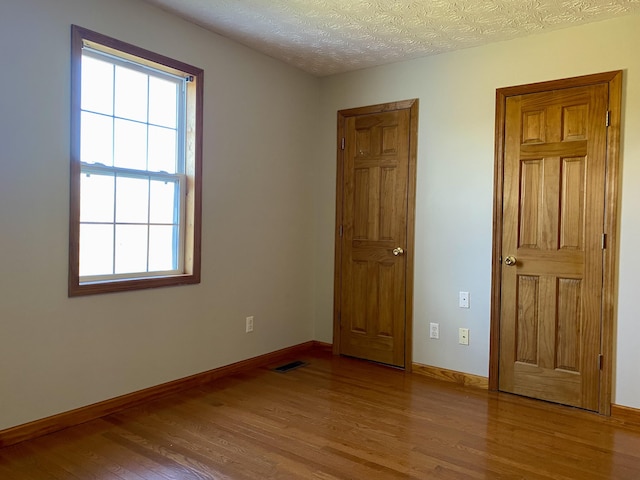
x=290, y=366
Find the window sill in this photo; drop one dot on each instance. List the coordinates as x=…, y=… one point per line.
x=92, y=288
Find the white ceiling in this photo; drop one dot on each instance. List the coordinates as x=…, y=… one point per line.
x=324, y=37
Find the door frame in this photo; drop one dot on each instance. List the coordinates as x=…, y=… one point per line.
x=412, y=105
x=611, y=221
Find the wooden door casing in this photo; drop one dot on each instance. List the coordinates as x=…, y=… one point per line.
x=554, y=200
x=374, y=215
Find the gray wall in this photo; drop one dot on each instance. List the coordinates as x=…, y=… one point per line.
x=59, y=353
x=455, y=180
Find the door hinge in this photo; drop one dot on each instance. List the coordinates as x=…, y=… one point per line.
x=604, y=241
x=600, y=361
x=342, y=144
x=608, y=118
x=341, y=230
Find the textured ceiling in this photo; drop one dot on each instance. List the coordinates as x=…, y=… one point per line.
x=324, y=37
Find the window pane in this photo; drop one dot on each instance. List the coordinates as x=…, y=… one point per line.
x=130, y=145
x=162, y=248
x=131, y=94
x=162, y=150
x=163, y=102
x=132, y=200
x=97, y=85
x=96, y=250
x=96, y=140
x=131, y=248
x=96, y=198
x=164, y=203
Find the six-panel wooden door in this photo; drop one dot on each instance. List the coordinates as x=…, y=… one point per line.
x=373, y=245
x=552, y=245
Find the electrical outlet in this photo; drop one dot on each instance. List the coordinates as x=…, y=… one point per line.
x=463, y=300
x=249, y=325
x=463, y=336
x=434, y=330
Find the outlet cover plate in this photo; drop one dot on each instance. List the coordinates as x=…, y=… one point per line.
x=463, y=300
x=463, y=336
x=434, y=330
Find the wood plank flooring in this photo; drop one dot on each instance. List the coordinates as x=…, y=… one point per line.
x=336, y=418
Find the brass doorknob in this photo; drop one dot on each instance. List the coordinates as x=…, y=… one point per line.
x=398, y=251
x=510, y=260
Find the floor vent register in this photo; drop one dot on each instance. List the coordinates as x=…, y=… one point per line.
x=290, y=366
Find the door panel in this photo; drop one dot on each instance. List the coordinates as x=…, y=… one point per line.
x=553, y=221
x=372, y=296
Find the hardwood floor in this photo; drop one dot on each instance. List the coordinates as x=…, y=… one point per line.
x=336, y=418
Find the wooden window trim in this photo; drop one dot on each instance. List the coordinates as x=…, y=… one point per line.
x=193, y=166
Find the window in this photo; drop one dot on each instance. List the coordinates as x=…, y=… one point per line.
x=136, y=126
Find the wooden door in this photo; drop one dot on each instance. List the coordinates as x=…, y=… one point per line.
x=553, y=231
x=375, y=232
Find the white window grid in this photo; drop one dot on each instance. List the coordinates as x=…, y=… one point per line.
x=178, y=178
